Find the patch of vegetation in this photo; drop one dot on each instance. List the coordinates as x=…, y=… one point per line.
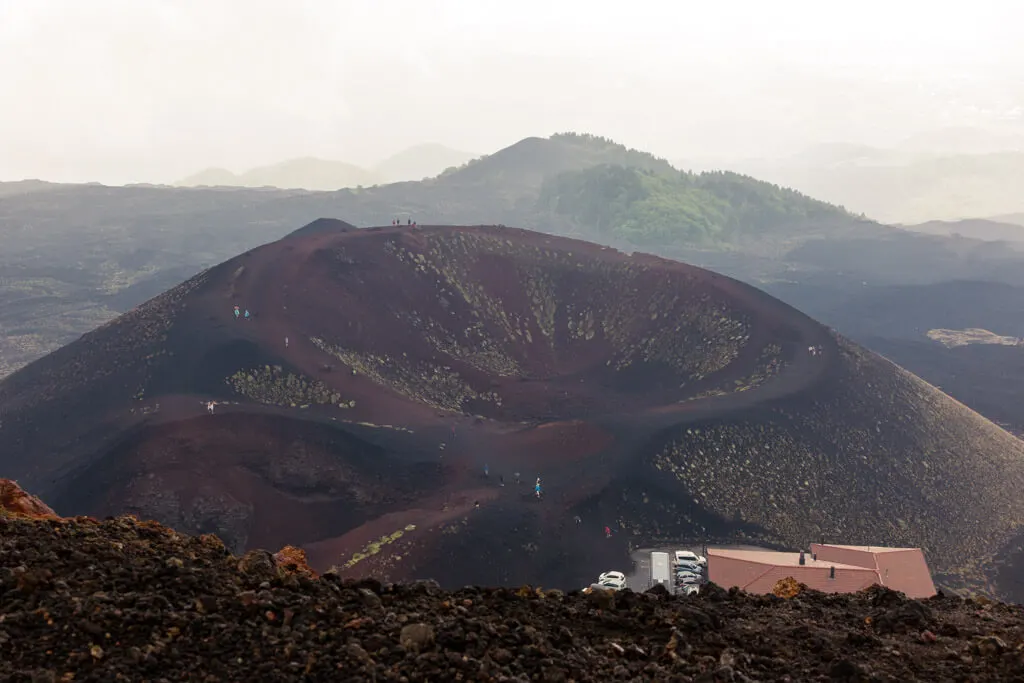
x=435, y=385
x=374, y=547
x=273, y=386
x=768, y=364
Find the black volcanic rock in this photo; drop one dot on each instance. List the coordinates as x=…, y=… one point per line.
x=382, y=370
x=85, y=600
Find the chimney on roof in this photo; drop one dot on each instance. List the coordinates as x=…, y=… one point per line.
x=831, y=572
x=802, y=561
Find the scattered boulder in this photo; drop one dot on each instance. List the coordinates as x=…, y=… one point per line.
x=417, y=637
x=258, y=564
x=293, y=560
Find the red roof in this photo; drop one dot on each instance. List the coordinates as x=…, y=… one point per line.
x=902, y=569
x=837, y=569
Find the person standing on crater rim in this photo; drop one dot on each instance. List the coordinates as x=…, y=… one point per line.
x=237, y=312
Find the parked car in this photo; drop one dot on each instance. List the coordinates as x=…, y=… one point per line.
x=690, y=590
x=616, y=576
x=685, y=556
x=690, y=567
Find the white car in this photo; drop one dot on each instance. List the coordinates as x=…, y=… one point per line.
x=686, y=557
x=690, y=590
x=618, y=577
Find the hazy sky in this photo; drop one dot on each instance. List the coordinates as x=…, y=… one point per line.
x=151, y=90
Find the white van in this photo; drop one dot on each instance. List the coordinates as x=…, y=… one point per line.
x=660, y=569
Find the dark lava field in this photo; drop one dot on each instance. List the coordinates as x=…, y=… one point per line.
x=387, y=398
x=123, y=600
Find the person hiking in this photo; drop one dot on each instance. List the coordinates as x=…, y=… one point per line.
x=487, y=471
x=607, y=532
x=515, y=478
x=237, y=313
x=536, y=488
x=578, y=520
x=286, y=342
x=501, y=480
x=209, y=407
x=409, y=221
x=247, y=314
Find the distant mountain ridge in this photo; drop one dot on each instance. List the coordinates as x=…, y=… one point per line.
x=306, y=173
x=311, y=173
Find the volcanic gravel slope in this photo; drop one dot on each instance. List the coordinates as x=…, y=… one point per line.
x=382, y=369
x=125, y=600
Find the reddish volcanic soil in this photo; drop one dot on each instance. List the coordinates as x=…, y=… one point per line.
x=17, y=503
x=380, y=372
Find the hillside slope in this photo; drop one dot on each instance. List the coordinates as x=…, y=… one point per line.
x=383, y=369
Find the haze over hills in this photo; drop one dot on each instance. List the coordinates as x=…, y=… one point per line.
x=977, y=228
x=420, y=162
x=383, y=369
x=900, y=185
x=1014, y=218
x=414, y=163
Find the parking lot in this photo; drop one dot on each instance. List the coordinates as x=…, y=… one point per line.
x=638, y=579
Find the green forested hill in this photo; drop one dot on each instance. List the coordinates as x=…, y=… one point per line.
x=650, y=209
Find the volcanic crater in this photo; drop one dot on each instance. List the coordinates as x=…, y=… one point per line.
x=393, y=393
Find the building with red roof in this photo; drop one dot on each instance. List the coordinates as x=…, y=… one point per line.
x=827, y=568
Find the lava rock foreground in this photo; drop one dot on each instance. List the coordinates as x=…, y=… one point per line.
x=85, y=600
x=382, y=369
